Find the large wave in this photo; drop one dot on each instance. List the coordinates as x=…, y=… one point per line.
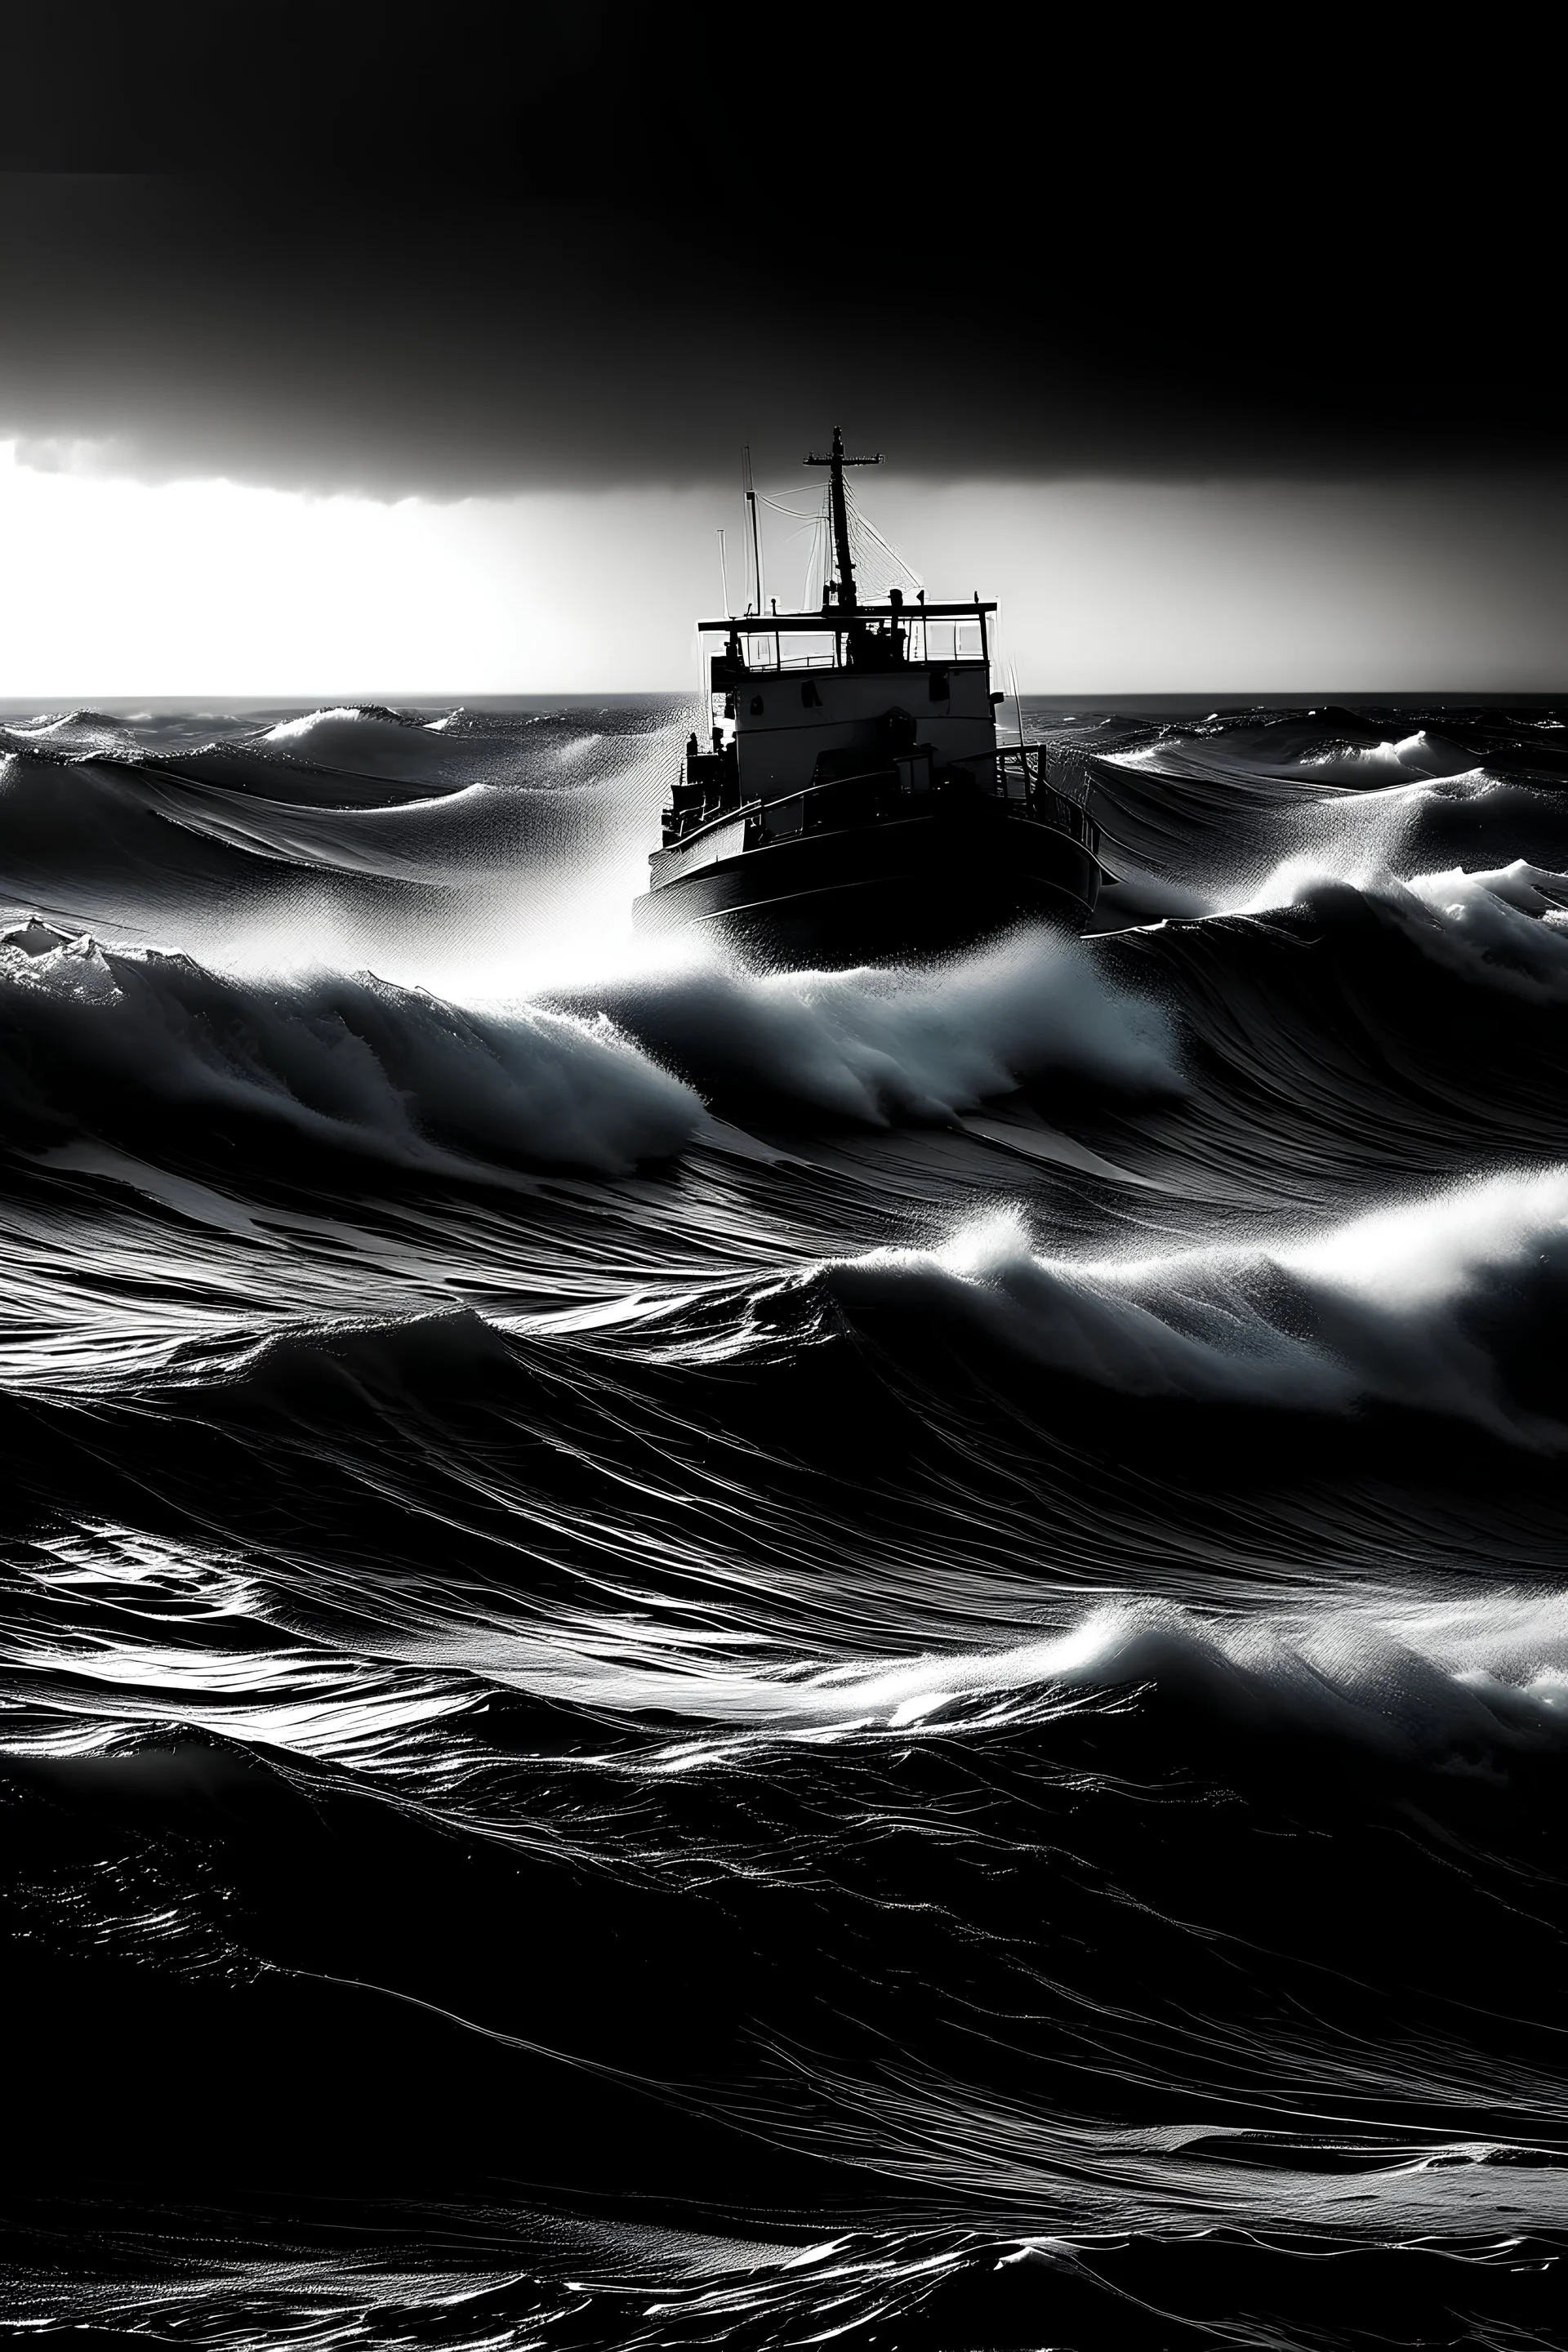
x=905, y=1042
x=94, y=1035
x=1507, y=929
x=1443, y=1304
x=1037, y=1630
x=441, y=850
x=1449, y=1684
x=357, y=1061
x=1230, y=816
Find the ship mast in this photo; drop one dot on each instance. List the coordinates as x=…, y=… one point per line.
x=837, y=461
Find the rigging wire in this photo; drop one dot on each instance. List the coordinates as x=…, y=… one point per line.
x=875, y=557
x=877, y=563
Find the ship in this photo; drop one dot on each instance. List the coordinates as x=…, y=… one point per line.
x=852, y=802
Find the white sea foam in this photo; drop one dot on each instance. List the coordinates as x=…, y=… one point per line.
x=350, y=1058
x=1382, y=1307
x=366, y=740
x=1381, y=828
x=1505, y=926
x=342, y=1058
x=906, y=1043
x=1417, y=755
x=1462, y=1683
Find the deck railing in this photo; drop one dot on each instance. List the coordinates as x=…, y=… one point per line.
x=1035, y=781
x=927, y=644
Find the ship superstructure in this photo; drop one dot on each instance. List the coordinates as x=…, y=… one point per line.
x=852, y=799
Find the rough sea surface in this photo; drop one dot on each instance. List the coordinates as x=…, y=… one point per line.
x=701, y=1656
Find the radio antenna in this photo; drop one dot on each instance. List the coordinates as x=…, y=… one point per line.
x=756, y=541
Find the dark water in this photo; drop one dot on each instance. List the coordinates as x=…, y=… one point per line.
x=694, y=1657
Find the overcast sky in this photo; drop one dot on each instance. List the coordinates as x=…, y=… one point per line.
x=1225, y=378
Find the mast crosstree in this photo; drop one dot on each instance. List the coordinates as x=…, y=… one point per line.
x=837, y=461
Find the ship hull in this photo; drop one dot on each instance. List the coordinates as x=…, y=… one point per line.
x=946, y=878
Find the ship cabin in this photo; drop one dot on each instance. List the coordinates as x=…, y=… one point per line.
x=809, y=698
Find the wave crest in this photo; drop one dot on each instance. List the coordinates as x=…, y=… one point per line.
x=1444, y=1305
x=92, y=1034
x=920, y=1043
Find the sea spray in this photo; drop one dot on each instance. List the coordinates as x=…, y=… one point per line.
x=905, y=1042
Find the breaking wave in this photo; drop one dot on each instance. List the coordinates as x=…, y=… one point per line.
x=1443, y=1304
x=1507, y=929
x=876, y=1045
x=356, y=1061
x=1454, y=1686
x=898, y=1633
x=339, y=1059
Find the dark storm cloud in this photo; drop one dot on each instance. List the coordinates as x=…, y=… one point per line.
x=405, y=250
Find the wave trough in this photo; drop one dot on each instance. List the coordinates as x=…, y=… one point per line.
x=705, y=1655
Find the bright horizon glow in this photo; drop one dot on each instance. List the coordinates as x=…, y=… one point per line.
x=207, y=591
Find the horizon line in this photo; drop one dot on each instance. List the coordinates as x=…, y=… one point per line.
x=319, y=699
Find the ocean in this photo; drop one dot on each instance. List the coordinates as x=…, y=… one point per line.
x=707, y=1656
